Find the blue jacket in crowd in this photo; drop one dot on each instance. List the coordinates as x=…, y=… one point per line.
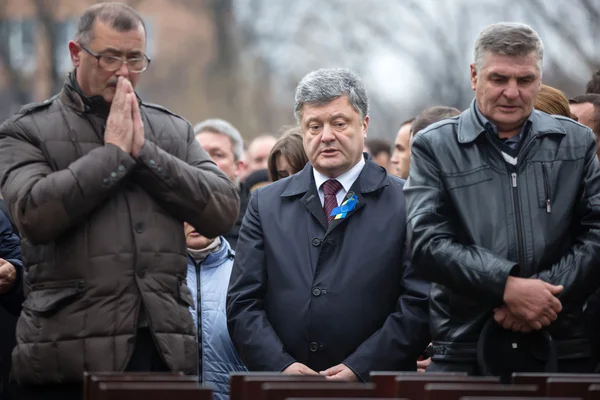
x=10, y=250
x=218, y=357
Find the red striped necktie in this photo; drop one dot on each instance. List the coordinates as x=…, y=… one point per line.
x=330, y=189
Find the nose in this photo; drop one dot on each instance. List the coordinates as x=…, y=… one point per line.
x=327, y=134
x=395, y=159
x=123, y=71
x=512, y=90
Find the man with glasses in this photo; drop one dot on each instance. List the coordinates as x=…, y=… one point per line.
x=98, y=183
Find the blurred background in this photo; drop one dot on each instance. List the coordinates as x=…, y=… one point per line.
x=241, y=59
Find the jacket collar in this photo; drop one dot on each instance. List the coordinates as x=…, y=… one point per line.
x=218, y=257
x=371, y=178
x=470, y=127
x=73, y=96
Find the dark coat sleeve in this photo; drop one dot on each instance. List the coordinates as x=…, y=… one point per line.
x=577, y=270
x=253, y=336
x=404, y=335
x=10, y=250
x=193, y=189
x=437, y=255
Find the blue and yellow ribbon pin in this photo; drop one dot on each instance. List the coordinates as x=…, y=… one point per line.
x=343, y=210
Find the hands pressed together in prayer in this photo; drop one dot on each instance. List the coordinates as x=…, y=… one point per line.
x=124, y=126
x=529, y=304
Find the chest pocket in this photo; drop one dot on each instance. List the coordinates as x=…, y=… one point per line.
x=543, y=184
x=470, y=178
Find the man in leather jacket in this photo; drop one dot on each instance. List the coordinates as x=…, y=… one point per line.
x=504, y=217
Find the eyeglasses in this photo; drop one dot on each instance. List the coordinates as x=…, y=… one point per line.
x=113, y=63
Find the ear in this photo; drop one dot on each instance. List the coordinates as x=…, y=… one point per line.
x=75, y=52
x=365, y=126
x=240, y=167
x=473, y=76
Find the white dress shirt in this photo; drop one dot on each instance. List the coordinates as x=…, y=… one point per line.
x=347, y=179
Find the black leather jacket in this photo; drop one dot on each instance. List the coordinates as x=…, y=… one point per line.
x=474, y=219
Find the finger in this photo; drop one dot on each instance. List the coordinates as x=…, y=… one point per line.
x=545, y=321
x=551, y=315
x=336, y=369
x=554, y=289
x=118, y=97
x=137, y=116
x=127, y=104
x=499, y=318
x=304, y=370
x=337, y=377
x=508, y=324
x=536, y=325
x=517, y=327
x=525, y=328
x=555, y=304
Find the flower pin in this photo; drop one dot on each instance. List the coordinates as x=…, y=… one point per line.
x=340, y=212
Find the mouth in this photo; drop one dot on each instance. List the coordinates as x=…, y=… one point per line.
x=508, y=108
x=329, y=152
x=194, y=234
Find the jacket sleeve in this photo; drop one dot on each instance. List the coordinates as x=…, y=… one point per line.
x=404, y=335
x=193, y=190
x=44, y=203
x=251, y=332
x=10, y=250
x=578, y=270
x=432, y=231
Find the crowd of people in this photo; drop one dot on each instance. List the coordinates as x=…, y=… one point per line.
x=132, y=240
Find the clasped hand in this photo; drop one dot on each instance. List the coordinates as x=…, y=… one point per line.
x=529, y=304
x=124, y=126
x=339, y=372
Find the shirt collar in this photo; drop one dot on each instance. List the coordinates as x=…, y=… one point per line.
x=490, y=127
x=347, y=179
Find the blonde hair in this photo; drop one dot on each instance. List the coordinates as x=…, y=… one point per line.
x=552, y=101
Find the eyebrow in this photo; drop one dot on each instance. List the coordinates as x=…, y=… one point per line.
x=339, y=115
x=117, y=52
x=499, y=75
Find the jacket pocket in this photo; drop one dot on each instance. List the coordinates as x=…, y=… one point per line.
x=468, y=178
x=543, y=185
x=49, y=297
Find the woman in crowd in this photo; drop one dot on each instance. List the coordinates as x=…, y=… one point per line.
x=209, y=269
x=552, y=101
x=287, y=156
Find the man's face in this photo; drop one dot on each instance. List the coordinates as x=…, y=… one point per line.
x=93, y=80
x=382, y=159
x=585, y=116
x=220, y=148
x=506, y=88
x=258, y=153
x=334, y=136
x=401, y=155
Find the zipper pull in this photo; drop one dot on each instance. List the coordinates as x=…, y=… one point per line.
x=548, y=207
x=514, y=179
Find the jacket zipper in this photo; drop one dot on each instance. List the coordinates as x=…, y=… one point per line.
x=515, y=192
x=547, y=188
x=199, y=319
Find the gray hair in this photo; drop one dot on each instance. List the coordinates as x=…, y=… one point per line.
x=118, y=16
x=223, y=127
x=324, y=85
x=509, y=39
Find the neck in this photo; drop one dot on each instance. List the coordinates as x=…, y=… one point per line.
x=200, y=255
